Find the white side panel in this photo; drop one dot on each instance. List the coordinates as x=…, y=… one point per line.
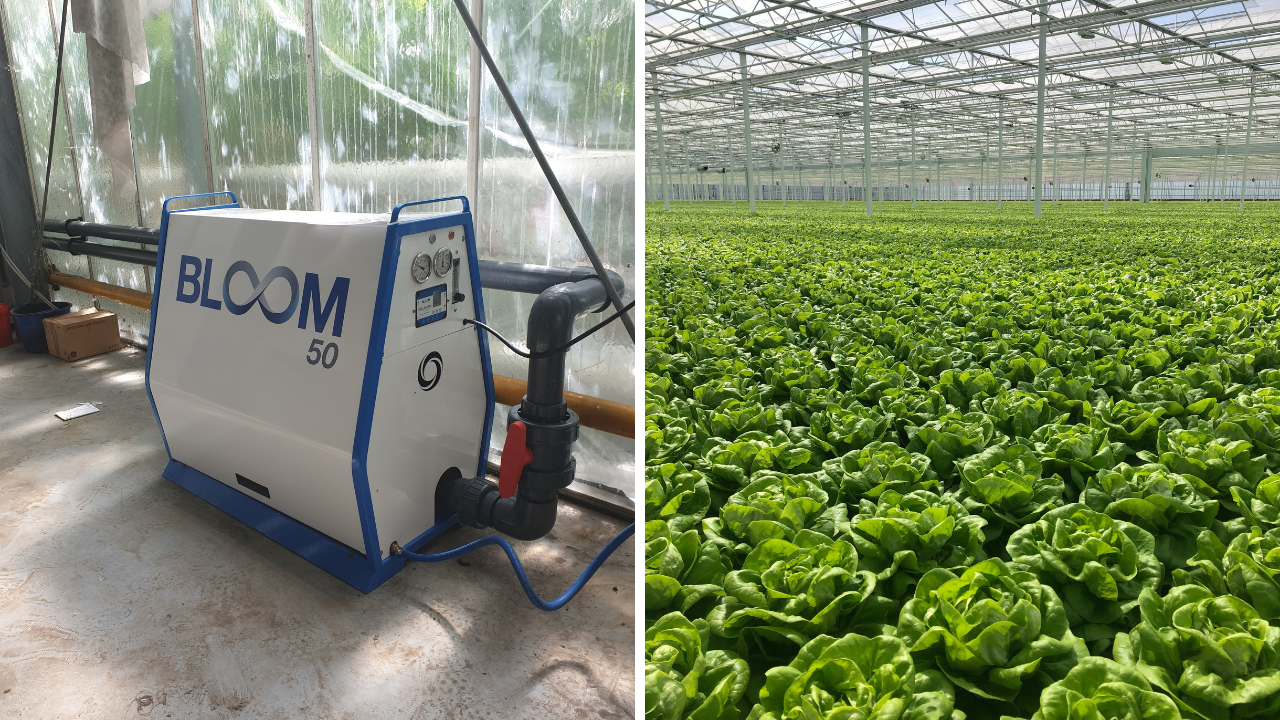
x=418, y=434
x=235, y=393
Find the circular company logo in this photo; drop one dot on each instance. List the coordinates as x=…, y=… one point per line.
x=432, y=358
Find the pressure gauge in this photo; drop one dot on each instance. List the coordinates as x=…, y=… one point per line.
x=444, y=261
x=421, y=267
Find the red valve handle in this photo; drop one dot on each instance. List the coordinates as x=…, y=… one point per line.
x=515, y=456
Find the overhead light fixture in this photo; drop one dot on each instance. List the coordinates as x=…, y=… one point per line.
x=1223, y=79
x=1087, y=34
x=1166, y=59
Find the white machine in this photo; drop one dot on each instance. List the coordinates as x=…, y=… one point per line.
x=312, y=374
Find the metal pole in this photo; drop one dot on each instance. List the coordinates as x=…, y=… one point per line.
x=684, y=165
x=913, y=161
x=866, y=119
x=1133, y=156
x=1000, y=159
x=844, y=186
x=728, y=174
x=1084, y=176
x=746, y=126
x=1248, y=136
x=782, y=158
x=313, y=103
x=662, y=148
x=1226, y=150
x=1057, y=191
x=474, y=86
x=1106, y=172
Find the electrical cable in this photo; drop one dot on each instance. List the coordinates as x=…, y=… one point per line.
x=553, y=351
x=538, y=602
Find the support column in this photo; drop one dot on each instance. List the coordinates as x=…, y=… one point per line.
x=1106, y=172
x=474, y=86
x=1133, y=156
x=1248, y=136
x=1084, y=175
x=685, y=185
x=746, y=126
x=913, y=161
x=1146, y=176
x=866, y=119
x=1000, y=159
x=844, y=185
x=1226, y=152
x=782, y=159
x=1039, y=176
x=1057, y=191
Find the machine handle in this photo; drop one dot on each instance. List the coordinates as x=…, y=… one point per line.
x=395, y=214
x=516, y=455
x=165, y=206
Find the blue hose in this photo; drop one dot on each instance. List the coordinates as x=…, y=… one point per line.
x=541, y=604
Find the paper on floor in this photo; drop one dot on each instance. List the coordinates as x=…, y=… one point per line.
x=77, y=411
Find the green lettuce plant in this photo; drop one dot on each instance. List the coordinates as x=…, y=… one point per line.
x=950, y=438
x=879, y=467
x=1248, y=567
x=1075, y=452
x=680, y=571
x=683, y=680
x=1099, y=565
x=676, y=495
x=1102, y=689
x=901, y=537
x=788, y=593
x=994, y=630
x=1263, y=508
x=1019, y=414
x=851, y=678
x=1004, y=486
x=1221, y=464
x=1164, y=503
x=1213, y=655
x=772, y=506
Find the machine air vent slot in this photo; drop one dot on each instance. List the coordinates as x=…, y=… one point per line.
x=260, y=489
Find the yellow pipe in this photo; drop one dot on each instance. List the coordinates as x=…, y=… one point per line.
x=126, y=296
x=593, y=412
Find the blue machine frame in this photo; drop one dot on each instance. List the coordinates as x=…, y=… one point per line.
x=365, y=571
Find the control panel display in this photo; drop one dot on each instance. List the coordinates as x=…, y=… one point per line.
x=431, y=304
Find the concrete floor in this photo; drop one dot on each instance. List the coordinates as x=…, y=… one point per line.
x=121, y=594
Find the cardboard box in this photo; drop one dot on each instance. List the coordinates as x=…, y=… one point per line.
x=82, y=334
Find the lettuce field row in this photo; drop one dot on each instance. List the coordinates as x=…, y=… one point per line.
x=952, y=462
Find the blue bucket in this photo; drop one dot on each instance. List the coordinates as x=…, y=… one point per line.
x=30, y=321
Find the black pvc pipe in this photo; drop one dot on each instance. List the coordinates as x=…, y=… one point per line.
x=110, y=252
x=77, y=228
x=512, y=277
x=550, y=326
x=551, y=428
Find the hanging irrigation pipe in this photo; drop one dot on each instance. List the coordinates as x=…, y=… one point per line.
x=538, y=602
x=612, y=292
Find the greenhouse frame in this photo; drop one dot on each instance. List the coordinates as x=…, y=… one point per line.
x=969, y=101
